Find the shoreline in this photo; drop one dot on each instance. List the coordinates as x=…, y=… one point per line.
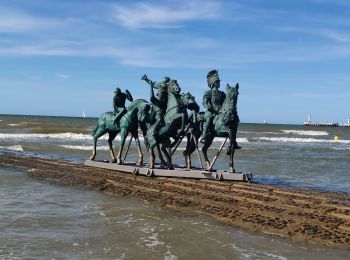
x=319, y=217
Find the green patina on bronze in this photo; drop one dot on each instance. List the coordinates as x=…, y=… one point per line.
x=166, y=117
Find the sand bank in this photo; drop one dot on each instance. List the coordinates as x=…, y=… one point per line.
x=301, y=214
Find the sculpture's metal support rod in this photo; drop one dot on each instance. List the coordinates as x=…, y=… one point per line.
x=176, y=146
x=127, y=149
x=179, y=141
x=199, y=155
x=217, y=155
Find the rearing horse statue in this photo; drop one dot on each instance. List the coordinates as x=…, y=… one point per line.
x=175, y=119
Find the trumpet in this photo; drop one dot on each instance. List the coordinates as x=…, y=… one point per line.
x=150, y=82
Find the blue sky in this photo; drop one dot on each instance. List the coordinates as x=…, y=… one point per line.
x=291, y=58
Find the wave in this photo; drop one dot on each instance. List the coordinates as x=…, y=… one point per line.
x=75, y=136
x=70, y=136
x=13, y=124
x=239, y=140
x=85, y=147
x=299, y=140
x=305, y=132
x=16, y=147
x=341, y=148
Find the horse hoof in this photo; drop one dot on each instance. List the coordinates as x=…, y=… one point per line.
x=232, y=170
x=114, y=160
x=139, y=163
x=92, y=158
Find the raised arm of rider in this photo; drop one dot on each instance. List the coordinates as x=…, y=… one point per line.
x=129, y=96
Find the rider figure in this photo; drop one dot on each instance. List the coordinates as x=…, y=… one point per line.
x=119, y=103
x=159, y=103
x=212, y=101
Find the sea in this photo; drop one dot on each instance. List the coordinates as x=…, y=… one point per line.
x=39, y=220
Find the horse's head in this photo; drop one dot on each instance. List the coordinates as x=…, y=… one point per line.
x=229, y=108
x=231, y=97
x=173, y=87
x=190, y=102
x=143, y=115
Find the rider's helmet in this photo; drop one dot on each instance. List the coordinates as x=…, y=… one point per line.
x=165, y=80
x=212, y=77
x=117, y=91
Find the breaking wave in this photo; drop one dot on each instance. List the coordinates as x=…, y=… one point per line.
x=85, y=147
x=305, y=132
x=16, y=147
x=71, y=136
x=74, y=136
x=299, y=140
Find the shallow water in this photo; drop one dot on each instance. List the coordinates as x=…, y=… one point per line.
x=44, y=221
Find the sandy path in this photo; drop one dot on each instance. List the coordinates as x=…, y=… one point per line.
x=314, y=216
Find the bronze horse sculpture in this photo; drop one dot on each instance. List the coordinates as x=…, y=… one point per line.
x=175, y=120
x=136, y=117
x=225, y=125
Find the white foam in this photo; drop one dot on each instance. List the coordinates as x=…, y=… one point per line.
x=300, y=140
x=85, y=147
x=70, y=136
x=305, y=132
x=13, y=124
x=16, y=147
x=75, y=136
x=239, y=140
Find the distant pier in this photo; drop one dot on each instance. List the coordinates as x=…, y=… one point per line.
x=307, y=123
x=310, y=123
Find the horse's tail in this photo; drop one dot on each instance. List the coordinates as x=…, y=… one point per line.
x=93, y=131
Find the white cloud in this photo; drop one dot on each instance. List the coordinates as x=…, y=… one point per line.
x=163, y=16
x=63, y=76
x=17, y=21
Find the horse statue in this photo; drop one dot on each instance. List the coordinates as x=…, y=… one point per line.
x=175, y=120
x=136, y=117
x=225, y=125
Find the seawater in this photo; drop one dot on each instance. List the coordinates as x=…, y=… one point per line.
x=292, y=155
x=44, y=221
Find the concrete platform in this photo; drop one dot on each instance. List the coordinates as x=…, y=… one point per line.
x=178, y=172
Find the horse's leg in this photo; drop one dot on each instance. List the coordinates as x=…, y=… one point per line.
x=136, y=137
x=208, y=142
x=232, y=150
x=168, y=157
x=161, y=158
x=100, y=132
x=151, y=157
x=190, y=148
x=123, y=135
x=112, y=135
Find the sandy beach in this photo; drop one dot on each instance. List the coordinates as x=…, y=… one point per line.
x=318, y=217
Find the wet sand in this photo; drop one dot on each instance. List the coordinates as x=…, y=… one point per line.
x=301, y=214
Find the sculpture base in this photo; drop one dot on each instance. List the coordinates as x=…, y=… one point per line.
x=178, y=172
